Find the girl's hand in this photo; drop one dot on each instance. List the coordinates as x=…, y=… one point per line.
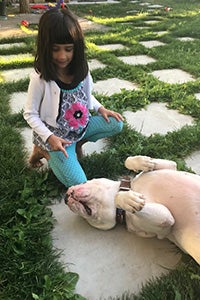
x=109, y=113
x=58, y=144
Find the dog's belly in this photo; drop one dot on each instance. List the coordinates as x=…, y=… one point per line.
x=178, y=191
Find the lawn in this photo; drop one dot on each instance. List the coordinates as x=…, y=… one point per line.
x=30, y=267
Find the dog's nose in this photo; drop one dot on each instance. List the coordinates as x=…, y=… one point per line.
x=67, y=195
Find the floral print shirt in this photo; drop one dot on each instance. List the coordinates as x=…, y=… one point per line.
x=72, y=119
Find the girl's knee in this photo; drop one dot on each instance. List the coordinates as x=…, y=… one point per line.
x=116, y=125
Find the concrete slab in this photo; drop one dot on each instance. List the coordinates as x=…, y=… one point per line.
x=16, y=57
x=95, y=64
x=17, y=101
x=185, y=39
x=151, y=44
x=8, y=46
x=137, y=59
x=16, y=74
x=161, y=32
x=156, y=118
x=197, y=95
x=109, y=262
x=192, y=161
x=172, y=76
x=145, y=4
x=97, y=147
x=142, y=27
x=133, y=11
x=151, y=22
x=113, y=85
x=112, y=47
x=155, y=6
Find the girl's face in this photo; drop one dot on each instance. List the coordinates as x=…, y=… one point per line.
x=62, y=55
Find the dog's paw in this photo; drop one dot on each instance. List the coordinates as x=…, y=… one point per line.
x=129, y=201
x=140, y=163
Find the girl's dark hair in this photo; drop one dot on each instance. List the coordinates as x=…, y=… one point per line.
x=60, y=26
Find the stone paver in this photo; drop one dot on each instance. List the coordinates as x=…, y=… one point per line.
x=156, y=118
x=155, y=6
x=16, y=57
x=192, y=161
x=113, y=85
x=186, y=39
x=95, y=64
x=172, y=76
x=111, y=47
x=151, y=22
x=151, y=44
x=17, y=101
x=8, y=46
x=17, y=74
x=197, y=95
x=161, y=32
x=137, y=59
x=145, y=4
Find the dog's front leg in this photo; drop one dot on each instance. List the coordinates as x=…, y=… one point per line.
x=139, y=163
x=130, y=201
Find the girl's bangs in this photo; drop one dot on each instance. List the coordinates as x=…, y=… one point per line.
x=61, y=36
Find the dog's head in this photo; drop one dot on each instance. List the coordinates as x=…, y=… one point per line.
x=94, y=201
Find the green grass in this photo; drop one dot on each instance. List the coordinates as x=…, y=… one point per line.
x=30, y=267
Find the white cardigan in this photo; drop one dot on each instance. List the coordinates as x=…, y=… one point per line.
x=43, y=103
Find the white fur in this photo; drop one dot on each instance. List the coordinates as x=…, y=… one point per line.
x=162, y=202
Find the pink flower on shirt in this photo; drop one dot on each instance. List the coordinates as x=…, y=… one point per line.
x=76, y=115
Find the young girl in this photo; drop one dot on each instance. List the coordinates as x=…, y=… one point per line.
x=59, y=98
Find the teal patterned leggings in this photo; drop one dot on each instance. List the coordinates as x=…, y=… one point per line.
x=68, y=170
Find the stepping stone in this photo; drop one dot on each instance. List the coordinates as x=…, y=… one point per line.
x=145, y=4
x=17, y=102
x=132, y=11
x=156, y=118
x=98, y=147
x=151, y=44
x=8, y=46
x=141, y=27
x=95, y=64
x=161, y=32
x=16, y=74
x=197, y=95
x=186, y=39
x=192, y=161
x=151, y=22
x=112, y=47
x=137, y=59
x=155, y=6
x=114, y=256
x=172, y=76
x=14, y=57
x=113, y=85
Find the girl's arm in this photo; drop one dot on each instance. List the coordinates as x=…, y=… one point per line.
x=32, y=107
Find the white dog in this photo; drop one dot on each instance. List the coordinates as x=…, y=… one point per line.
x=161, y=201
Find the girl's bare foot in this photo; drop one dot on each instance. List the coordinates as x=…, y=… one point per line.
x=36, y=156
